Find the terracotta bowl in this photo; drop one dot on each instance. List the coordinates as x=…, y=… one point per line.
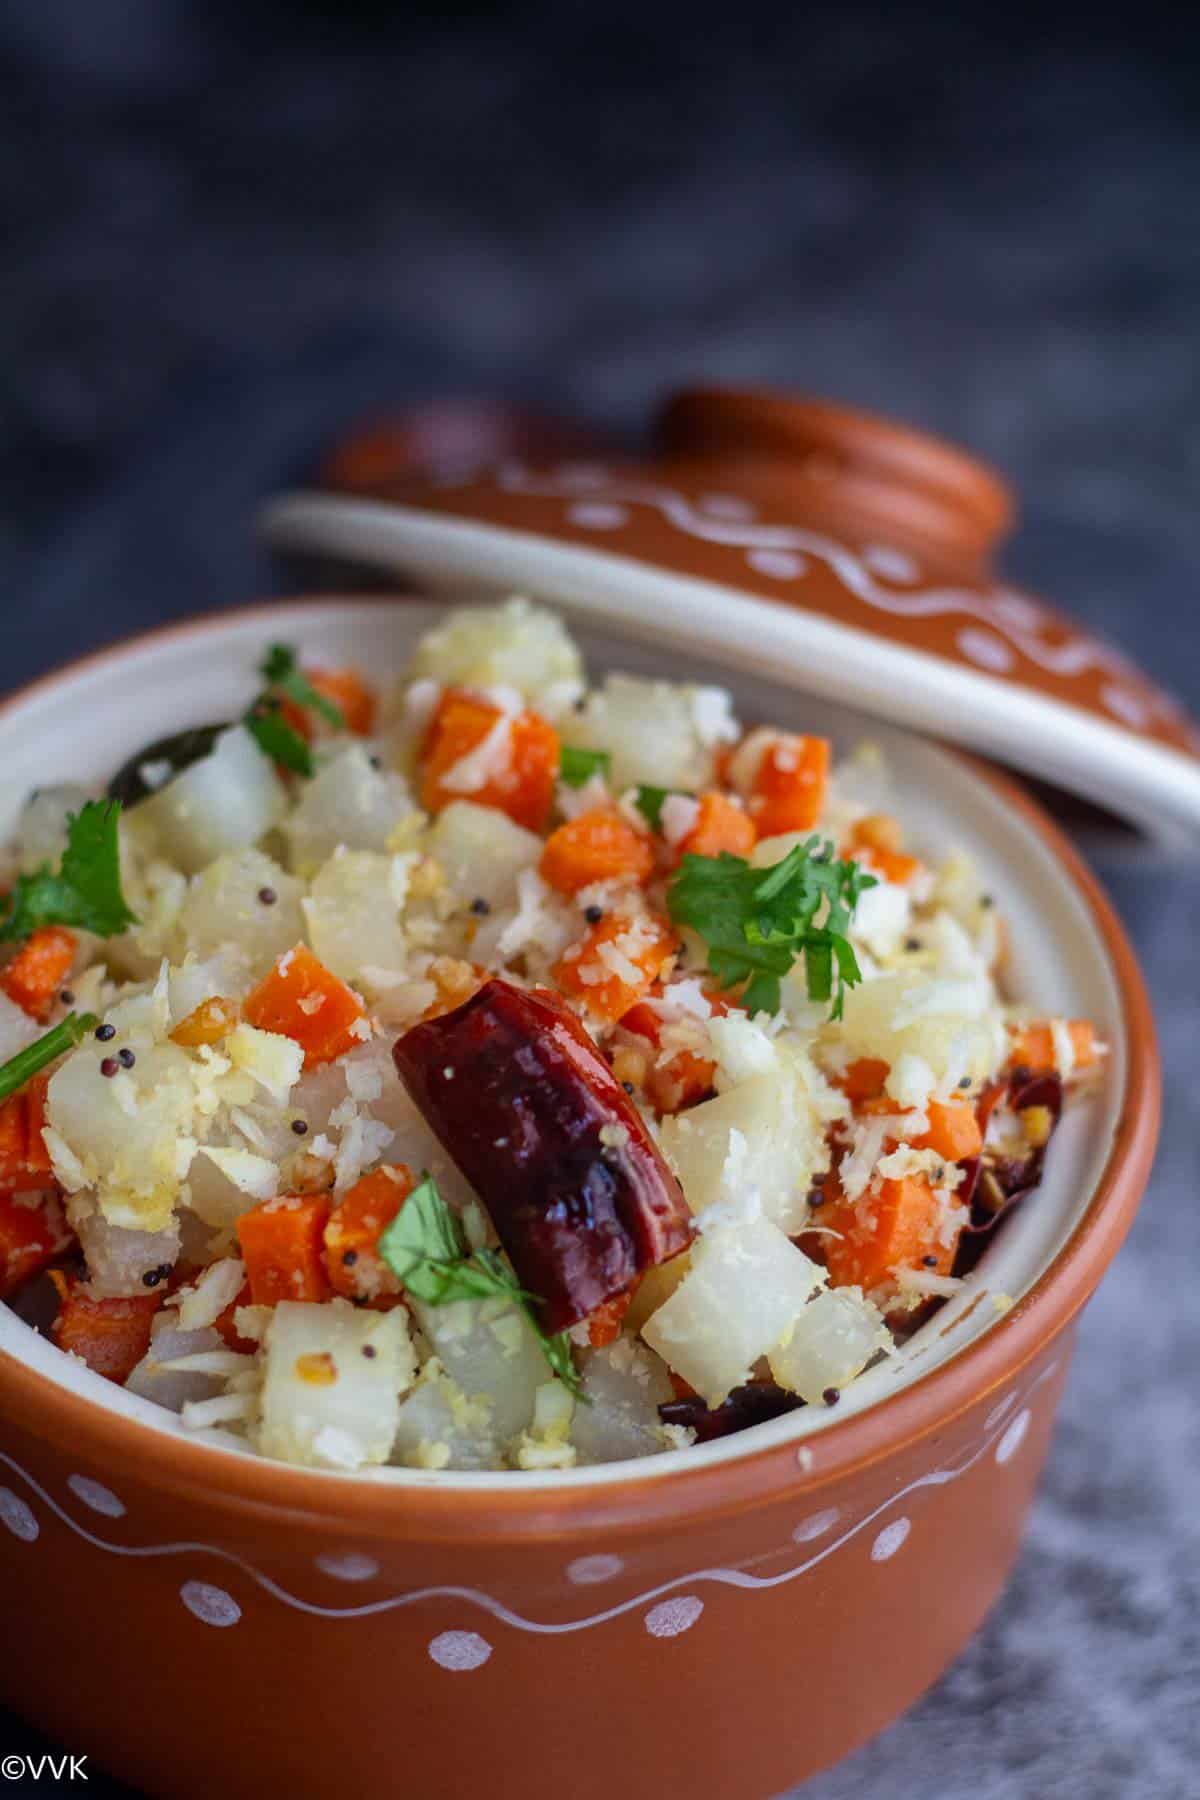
x=722, y=1621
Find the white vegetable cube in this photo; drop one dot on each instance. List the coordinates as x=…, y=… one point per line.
x=332, y=1381
x=654, y=731
x=350, y=804
x=228, y=800
x=515, y=645
x=482, y=851
x=624, y=1386
x=745, y=1288
x=274, y=1061
x=225, y=907
x=754, y=1147
x=352, y=915
x=490, y=1349
x=832, y=1341
x=951, y=1023
x=127, y=1135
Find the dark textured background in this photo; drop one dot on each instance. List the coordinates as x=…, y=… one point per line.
x=228, y=228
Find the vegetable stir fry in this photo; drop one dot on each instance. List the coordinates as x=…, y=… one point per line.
x=500, y=1071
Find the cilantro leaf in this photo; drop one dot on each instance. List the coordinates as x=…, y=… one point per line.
x=86, y=891
x=758, y=923
x=649, y=802
x=576, y=766
x=43, y=1051
x=276, y=739
x=280, y=669
x=423, y=1246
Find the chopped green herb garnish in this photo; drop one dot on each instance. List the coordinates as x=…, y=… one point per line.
x=86, y=891
x=649, y=802
x=281, y=671
x=276, y=739
x=577, y=766
x=43, y=1051
x=423, y=1246
x=758, y=922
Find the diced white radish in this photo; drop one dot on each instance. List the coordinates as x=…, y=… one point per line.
x=489, y=1348
x=223, y=975
x=744, y=1289
x=482, y=851
x=349, y=803
x=17, y=1029
x=172, y=1388
x=117, y=1259
x=881, y=918
x=227, y=801
x=353, y=913
x=514, y=645
x=755, y=1147
x=439, y=1427
x=649, y=729
x=832, y=1341
x=42, y=828
x=203, y=1301
x=226, y=909
x=272, y=1060
x=945, y=1022
x=625, y=1386
x=324, y=1402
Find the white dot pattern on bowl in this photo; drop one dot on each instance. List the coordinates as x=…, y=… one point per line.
x=672, y=1617
x=985, y=649
x=890, y=1539
x=891, y=564
x=96, y=1496
x=780, y=565
x=727, y=506
x=459, y=1651
x=1125, y=706
x=586, y=1570
x=1013, y=1438
x=816, y=1525
x=17, y=1516
x=598, y=515
x=347, y=1566
x=211, y=1605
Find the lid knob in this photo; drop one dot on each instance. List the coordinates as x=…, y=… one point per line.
x=863, y=464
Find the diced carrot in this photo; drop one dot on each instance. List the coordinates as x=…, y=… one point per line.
x=1033, y=1047
x=521, y=783
x=721, y=824
x=38, y=970
x=24, y=1159
x=953, y=1131
x=615, y=964
x=596, y=846
x=348, y=692
x=282, y=1243
x=111, y=1335
x=206, y=1024
x=352, y=1260
x=878, y=840
x=32, y=1233
x=301, y=999
x=863, y=1079
x=604, y=1325
x=683, y=1078
x=896, y=1228
x=788, y=790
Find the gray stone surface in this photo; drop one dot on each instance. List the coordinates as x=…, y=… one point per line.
x=229, y=229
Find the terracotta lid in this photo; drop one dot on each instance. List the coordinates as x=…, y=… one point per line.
x=853, y=554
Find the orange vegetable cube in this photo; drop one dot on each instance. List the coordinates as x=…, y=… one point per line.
x=347, y=690
x=110, y=1335
x=596, y=846
x=863, y=1079
x=301, y=999
x=207, y=1023
x=882, y=1233
x=352, y=1260
x=615, y=964
x=721, y=824
x=684, y=1077
x=32, y=1233
x=24, y=1159
x=788, y=789
x=518, y=779
x=1033, y=1047
x=953, y=1131
x=38, y=970
x=877, y=840
x=283, y=1243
